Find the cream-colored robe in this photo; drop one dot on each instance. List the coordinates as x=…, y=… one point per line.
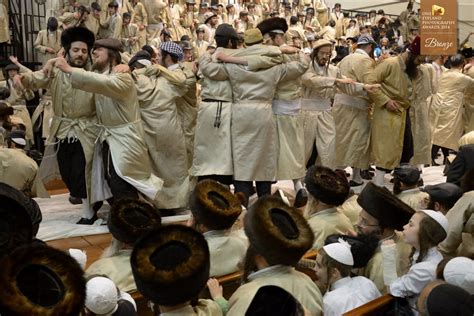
x=120, y=125
x=319, y=88
x=226, y=251
x=351, y=209
x=73, y=115
x=164, y=135
x=203, y=308
x=129, y=37
x=469, y=106
x=187, y=109
x=321, y=11
x=351, y=114
x=18, y=170
x=446, y=111
x=291, y=163
x=116, y=268
x=374, y=268
x=338, y=17
x=328, y=222
x=296, y=283
x=113, y=27
x=460, y=240
x=254, y=143
x=419, y=115
x=140, y=18
x=215, y=157
x=45, y=40
x=154, y=10
x=388, y=127
x=415, y=198
x=4, y=24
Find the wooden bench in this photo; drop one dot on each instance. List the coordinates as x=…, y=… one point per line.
x=377, y=307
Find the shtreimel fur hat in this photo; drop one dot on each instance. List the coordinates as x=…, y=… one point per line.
x=213, y=205
x=326, y=185
x=131, y=219
x=276, y=25
x=77, y=34
x=40, y=280
x=171, y=265
x=277, y=231
x=384, y=206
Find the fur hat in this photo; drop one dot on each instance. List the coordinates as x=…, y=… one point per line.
x=131, y=219
x=40, y=280
x=326, y=186
x=384, y=206
x=171, y=265
x=277, y=231
x=77, y=34
x=274, y=25
x=213, y=205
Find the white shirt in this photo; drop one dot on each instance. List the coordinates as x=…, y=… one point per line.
x=420, y=274
x=347, y=294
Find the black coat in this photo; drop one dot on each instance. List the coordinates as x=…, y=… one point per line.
x=463, y=162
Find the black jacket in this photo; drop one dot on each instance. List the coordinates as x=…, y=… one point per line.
x=463, y=162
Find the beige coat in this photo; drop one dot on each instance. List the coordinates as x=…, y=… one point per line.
x=338, y=17
x=415, y=198
x=469, y=106
x=164, y=134
x=17, y=170
x=351, y=209
x=286, y=106
x=129, y=37
x=388, y=127
x=319, y=88
x=351, y=114
x=296, y=283
x=460, y=240
x=4, y=24
x=120, y=125
x=113, y=27
x=374, y=268
x=446, y=110
x=68, y=120
x=252, y=118
x=203, y=308
x=140, y=18
x=419, y=112
x=328, y=222
x=226, y=251
x=116, y=268
x=215, y=157
x=46, y=40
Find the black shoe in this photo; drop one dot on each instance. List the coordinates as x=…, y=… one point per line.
x=97, y=205
x=74, y=200
x=352, y=183
x=366, y=174
x=87, y=221
x=301, y=198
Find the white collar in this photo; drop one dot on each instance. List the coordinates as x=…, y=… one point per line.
x=216, y=233
x=409, y=191
x=431, y=254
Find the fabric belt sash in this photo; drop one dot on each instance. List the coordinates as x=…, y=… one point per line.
x=283, y=107
x=348, y=100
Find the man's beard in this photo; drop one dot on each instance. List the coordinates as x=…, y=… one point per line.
x=411, y=68
x=99, y=66
x=77, y=62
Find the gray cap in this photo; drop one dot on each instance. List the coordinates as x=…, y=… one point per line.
x=365, y=39
x=444, y=192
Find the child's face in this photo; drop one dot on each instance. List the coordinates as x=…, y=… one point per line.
x=410, y=230
x=320, y=270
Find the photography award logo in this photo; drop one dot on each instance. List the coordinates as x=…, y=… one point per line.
x=438, y=27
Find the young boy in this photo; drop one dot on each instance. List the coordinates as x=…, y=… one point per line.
x=344, y=293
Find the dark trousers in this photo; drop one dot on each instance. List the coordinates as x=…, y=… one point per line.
x=72, y=166
x=227, y=180
x=119, y=187
x=436, y=148
x=263, y=187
